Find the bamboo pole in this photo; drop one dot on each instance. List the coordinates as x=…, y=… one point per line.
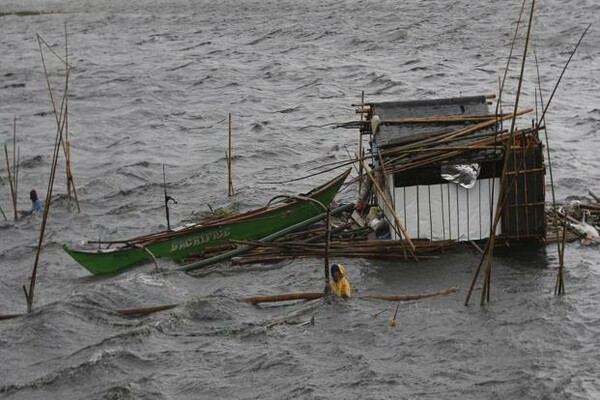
x=327, y=245
x=16, y=172
x=71, y=189
x=282, y=297
x=243, y=249
x=440, y=154
x=61, y=121
x=452, y=135
x=9, y=316
x=13, y=195
x=317, y=295
x=143, y=311
x=427, y=160
x=559, y=285
x=446, y=137
x=512, y=46
x=594, y=195
x=360, y=149
x=438, y=119
x=592, y=207
x=229, y=164
x=138, y=311
x=485, y=292
x=559, y=288
x=15, y=163
x=562, y=74
x=63, y=109
x=391, y=208
x=29, y=294
x=409, y=297
x=3, y=215
x=66, y=147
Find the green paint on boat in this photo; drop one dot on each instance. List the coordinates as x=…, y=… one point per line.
x=181, y=242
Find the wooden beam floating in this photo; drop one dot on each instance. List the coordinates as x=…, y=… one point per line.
x=317, y=295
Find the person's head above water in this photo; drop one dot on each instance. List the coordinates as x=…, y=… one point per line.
x=33, y=195
x=337, y=271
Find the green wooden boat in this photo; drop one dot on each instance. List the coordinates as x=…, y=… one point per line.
x=195, y=238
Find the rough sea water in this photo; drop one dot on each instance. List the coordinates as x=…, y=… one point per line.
x=152, y=85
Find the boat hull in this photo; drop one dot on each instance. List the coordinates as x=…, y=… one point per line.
x=179, y=245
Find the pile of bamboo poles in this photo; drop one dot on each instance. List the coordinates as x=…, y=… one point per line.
x=470, y=141
x=363, y=248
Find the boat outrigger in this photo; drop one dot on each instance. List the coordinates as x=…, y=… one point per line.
x=194, y=239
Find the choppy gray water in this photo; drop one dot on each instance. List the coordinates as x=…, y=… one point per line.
x=153, y=84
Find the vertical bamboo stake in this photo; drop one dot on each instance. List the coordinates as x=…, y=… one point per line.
x=559, y=287
x=327, y=244
x=66, y=147
x=562, y=74
x=4, y=215
x=10, y=181
x=485, y=290
x=71, y=190
x=229, y=180
x=60, y=125
x=15, y=162
x=63, y=109
x=512, y=46
x=360, y=149
x=29, y=293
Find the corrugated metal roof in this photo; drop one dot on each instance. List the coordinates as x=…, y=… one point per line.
x=392, y=133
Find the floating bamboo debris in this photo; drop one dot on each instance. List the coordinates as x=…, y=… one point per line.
x=138, y=311
x=363, y=248
x=282, y=297
x=9, y=316
x=243, y=249
x=317, y=295
x=348, y=241
x=409, y=297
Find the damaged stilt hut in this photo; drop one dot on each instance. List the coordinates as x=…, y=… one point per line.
x=439, y=164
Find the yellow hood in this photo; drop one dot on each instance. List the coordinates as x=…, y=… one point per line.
x=342, y=270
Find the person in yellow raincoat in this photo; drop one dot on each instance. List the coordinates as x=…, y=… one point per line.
x=339, y=284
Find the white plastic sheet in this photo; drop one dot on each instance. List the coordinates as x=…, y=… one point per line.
x=447, y=211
